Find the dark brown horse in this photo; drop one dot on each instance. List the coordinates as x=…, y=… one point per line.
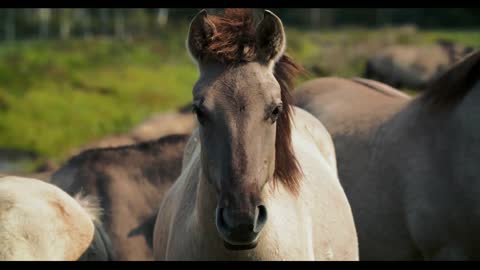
x=130, y=182
x=409, y=167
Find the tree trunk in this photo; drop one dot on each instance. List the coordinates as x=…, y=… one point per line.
x=119, y=23
x=315, y=17
x=65, y=23
x=162, y=17
x=10, y=25
x=44, y=15
x=86, y=22
x=104, y=21
x=321, y=17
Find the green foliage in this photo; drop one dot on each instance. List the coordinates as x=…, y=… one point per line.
x=55, y=96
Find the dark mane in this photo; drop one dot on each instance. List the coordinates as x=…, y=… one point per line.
x=449, y=88
x=147, y=145
x=234, y=42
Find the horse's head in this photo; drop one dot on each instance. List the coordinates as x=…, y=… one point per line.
x=241, y=101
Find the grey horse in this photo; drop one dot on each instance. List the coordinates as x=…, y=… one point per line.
x=409, y=166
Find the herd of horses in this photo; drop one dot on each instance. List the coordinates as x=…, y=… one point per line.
x=339, y=169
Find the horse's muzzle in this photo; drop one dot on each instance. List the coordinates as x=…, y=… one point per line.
x=239, y=229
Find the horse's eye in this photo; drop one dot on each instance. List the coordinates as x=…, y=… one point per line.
x=200, y=112
x=276, y=112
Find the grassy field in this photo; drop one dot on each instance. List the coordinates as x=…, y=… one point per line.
x=58, y=95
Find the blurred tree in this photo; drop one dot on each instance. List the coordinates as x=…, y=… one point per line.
x=44, y=15
x=104, y=15
x=66, y=22
x=119, y=23
x=138, y=21
x=315, y=16
x=162, y=17
x=83, y=16
x=10, y=24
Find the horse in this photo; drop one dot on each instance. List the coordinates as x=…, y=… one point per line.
x=40, y=222
x=413, y=66
x=129, y=182
x=408, y=165
x=259, y=179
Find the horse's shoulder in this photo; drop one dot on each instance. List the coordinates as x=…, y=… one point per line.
x=313, y=130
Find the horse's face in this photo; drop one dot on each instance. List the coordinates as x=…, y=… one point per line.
x=237, y=106
x=237, y=111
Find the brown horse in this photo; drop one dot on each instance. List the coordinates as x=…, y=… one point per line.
x=259, y=179
x=130, y=182
x=40, y=222
x=409, y=167
x=413, y=66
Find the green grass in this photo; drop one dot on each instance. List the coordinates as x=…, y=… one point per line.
x=59, y=95
x=55, y=96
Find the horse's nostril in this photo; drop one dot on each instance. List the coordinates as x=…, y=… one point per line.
x=220, y=219
x=261, y=218
x=227, y=219
x=238, y=225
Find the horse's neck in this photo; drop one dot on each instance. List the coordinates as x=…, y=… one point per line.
x=411, y=139
x=311, y=129
x=425, y=157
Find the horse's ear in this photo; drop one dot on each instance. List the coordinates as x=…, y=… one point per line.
x=270, y=38
x=200, y=32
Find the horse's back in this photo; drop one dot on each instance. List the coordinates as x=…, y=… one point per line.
x=353, y=111
x=39, y=221
x=345, y=105
x=125, y=178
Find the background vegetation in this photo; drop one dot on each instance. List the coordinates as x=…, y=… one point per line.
x=68, y=77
